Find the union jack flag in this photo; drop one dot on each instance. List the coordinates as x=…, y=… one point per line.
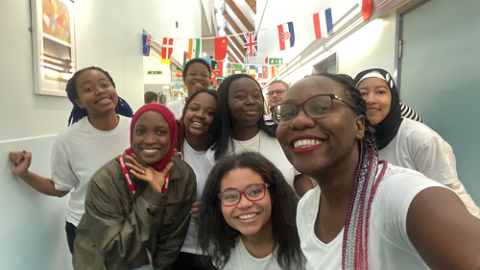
x=250, y=45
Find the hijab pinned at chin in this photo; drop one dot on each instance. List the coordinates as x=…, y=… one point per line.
x=172, y=125
x=387, y=129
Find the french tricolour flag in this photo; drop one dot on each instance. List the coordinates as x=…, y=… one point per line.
x=286, y=36
x=322, y=22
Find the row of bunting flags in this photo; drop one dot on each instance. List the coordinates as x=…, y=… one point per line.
x=256, y=72
x=322, y=27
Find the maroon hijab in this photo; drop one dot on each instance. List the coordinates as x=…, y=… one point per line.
x=172, y=124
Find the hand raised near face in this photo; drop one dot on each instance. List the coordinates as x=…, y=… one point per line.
x=146, y=173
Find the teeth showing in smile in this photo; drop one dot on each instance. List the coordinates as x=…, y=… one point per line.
x=197, y=124
x=103, y=100
x=150, y=151
x=249, y=216
x=306, y=143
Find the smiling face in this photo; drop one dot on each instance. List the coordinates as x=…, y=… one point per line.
x=247, y=217
x=197, y=78
x=95, y=93
x=245, y=102
x=276, y=93
x=199, y=114
x=314, y=145
x=377, y=94
x=151, y=137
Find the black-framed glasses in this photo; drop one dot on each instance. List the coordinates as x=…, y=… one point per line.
x=231, y=196
x=315, y=107
x=278, y=92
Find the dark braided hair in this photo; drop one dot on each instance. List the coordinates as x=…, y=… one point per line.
x=181, y=130
x=355, y=238
x=78, y=113
x=223, y=127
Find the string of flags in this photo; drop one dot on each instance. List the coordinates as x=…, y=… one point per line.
x=322, y=27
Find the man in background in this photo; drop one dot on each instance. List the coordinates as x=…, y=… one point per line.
x=214, y=63
x=151, y=98
x=275, y=93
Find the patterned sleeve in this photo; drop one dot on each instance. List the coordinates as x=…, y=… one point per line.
x=409, y=113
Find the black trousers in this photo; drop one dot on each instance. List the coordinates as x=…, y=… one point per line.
x=191, y=262
x=70, y=230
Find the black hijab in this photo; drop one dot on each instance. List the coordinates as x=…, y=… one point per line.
x=387, y=129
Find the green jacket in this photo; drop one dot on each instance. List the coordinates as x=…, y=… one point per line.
x=118, y=227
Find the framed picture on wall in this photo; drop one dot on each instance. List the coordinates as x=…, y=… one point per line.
x=54, y=50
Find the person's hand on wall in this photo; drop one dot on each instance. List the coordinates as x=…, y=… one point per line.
x=20, y=162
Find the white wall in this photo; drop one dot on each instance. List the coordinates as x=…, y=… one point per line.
x=153, y=64
x=372, y=46
x=109, y=35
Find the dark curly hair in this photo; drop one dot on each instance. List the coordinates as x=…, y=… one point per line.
x=195, y=60
x=223, y=128
x=219, y=239
x=78, y=113
x=181, y=130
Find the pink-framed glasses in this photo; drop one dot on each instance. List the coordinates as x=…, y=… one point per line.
x=231, y=196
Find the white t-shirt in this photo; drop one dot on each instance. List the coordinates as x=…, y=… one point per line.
x=419, y=148
x=240, y=259
x=388, y=244
x=78, y=152
x=201, y=167
x=269, y=147
x=176, y=107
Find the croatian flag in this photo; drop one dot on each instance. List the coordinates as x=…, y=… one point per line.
x=250, y=44
x=286, y=36
x=322, y=22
